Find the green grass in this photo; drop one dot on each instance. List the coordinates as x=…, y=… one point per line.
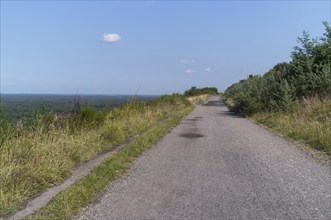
x=41, y=154
x=310, y=122
x=68, y=203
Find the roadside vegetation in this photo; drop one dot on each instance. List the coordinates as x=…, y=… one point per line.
x=194, y=91
x=309, y=121
x=42, y=153
x=199, y=99
x=295, y=97
x=68, y=203
x=198, y=96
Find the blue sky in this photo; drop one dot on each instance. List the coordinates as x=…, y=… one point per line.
x=155, y=47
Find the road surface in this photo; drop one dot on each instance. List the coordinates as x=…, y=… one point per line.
x=215, y=165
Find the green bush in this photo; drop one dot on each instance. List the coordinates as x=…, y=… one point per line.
x=308, y=74
x=194, y=91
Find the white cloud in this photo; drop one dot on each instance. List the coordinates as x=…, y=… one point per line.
x=186, y=61
x=189, y=71
x=208, y=69
x=111, y=37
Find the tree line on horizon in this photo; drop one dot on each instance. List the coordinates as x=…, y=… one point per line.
x=308, y=74
x=194, y=91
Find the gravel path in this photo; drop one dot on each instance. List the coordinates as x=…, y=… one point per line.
x=215, y=165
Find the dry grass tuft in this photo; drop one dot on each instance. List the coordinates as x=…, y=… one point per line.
x=309, y=121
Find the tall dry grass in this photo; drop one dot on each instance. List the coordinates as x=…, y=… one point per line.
x=41, y=154
x=199, y=99
x=309, y=121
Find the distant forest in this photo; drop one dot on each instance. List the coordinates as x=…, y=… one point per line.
x=194, y=91
x=306, y=75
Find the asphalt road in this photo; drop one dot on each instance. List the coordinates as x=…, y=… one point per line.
x=215, y=165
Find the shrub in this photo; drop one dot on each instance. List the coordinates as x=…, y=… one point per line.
x=308, y=74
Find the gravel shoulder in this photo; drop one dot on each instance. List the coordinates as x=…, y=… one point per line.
x=215, y=165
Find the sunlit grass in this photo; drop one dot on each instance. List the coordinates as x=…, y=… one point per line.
x=197, y=100
x=310, y=121
x=42, y=154
x=67, y=204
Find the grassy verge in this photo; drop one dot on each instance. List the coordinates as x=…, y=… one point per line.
x=68, y=203
x=36, y=156
x=310, y=121
x=199, y=99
